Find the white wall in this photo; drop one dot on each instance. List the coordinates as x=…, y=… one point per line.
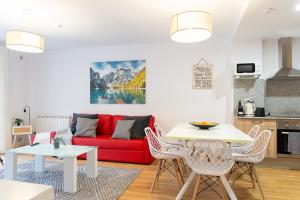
x=270, y=57
x=58, y=81
x=246, y=51
x=4, y=107
x=17, y=85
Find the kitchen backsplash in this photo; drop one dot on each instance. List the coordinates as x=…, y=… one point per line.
x=279, y=98
x=249, y=89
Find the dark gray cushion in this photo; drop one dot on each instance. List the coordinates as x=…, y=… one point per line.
x=122, y=130
x=74, y=119
x=141, y=122
x=86, y=127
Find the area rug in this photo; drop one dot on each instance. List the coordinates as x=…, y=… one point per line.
x=109, y=185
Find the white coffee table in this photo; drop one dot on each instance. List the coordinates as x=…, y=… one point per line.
x=68, y=153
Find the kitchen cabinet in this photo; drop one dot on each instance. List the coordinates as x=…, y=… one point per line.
x=245, y=125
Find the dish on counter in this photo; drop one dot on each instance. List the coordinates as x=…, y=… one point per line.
x=204, y=124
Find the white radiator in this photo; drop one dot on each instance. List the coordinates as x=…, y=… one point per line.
x=52, y=122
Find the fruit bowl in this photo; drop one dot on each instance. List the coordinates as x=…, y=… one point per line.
x=204, y=125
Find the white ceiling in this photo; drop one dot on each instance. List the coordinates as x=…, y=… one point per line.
x=87, y=23
x=265, y=19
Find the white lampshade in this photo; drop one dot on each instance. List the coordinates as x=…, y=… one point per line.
x=191, y=26
x=25, y=41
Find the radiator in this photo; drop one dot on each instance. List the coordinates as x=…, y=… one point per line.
x=52, y=122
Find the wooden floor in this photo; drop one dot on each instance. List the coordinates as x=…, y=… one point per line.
x=278, y=184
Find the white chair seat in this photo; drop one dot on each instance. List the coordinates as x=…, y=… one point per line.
x=241, y=158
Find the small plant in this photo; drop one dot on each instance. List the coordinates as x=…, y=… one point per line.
x=18, y=121
x=56, y=142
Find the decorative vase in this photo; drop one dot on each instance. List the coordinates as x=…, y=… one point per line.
x=56, y=145
x=18, y=124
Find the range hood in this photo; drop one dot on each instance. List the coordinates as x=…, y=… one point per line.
x=287, y=72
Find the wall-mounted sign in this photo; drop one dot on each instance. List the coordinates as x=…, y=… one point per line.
x=202, y=75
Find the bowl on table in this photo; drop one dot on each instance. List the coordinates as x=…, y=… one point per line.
x=204, y=124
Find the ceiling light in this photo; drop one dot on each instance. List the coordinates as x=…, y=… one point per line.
x=297, y=7
x=191, y=26
x=25, y=41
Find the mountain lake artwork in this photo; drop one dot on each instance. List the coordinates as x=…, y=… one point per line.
x=118, y=82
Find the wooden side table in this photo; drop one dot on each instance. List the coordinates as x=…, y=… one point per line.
x=21, y=130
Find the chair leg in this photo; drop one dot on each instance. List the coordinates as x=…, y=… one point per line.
x=180, y=165
x=176, y=173
x=162, y=165
x=223, y=190
x=228, y=188
x=197, y=187
x=234, y=174
x=251, y=175
x=156, y=175
x=258, y=181
x=14, y=141
x=185, y=186
x=180, y=170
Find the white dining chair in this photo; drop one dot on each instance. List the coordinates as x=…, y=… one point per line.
x=247, y=156
x=252, y=133
x=210, y=159
x=168, y=156
x=161, y=134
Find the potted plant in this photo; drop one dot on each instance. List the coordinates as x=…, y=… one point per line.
x=18, y=121
x=56, y=143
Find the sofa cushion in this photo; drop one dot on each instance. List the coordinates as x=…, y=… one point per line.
x=137, y=130
x=104, y=124
x=106, y=142
x=74, y=119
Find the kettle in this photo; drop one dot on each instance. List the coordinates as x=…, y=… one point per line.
x=249, y=107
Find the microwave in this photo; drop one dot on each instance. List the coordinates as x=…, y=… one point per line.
x=247, y=70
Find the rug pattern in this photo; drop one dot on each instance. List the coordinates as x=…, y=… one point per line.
x=109, y=184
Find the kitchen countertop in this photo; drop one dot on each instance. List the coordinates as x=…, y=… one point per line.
x=267, y=117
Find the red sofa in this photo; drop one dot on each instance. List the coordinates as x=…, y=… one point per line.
x=117, y=150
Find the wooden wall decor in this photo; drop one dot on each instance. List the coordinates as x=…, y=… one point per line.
x=202, y=75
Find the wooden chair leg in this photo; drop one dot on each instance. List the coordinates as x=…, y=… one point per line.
x=234, y=174
x=183, y=166
x=180, y=170
x=161, y=167
x=176, y=173
x=14, y=142
x=223, y=190
x=258, y=181
x=197, y=187
x=156, y=175
x=228, y=188
x=251, y=175
x=29, y=139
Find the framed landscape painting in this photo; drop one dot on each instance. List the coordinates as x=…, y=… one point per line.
x=118, y=82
